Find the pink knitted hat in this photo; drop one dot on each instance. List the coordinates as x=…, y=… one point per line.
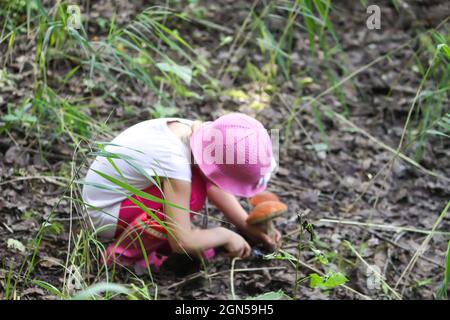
x=234, y=152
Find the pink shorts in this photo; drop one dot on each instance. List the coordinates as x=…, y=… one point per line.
x=137, y=234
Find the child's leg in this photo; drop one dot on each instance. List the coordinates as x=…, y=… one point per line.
x=130, y=237
x=138, y=243
x=137, y=233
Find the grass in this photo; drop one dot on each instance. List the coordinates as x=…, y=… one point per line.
x=443, y=289
x=149, y=54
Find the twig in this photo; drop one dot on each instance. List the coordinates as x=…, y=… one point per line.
x=382, y=226
x=233, y=295
x=380, y=236
x=375, y=272
x=46, y=178
x=208, y=276
x=299, y=251
x=291, y=233
x=214, y=26
x=425, y=242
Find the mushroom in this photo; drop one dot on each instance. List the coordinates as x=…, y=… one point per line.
x=262, y=197
x=264, y=213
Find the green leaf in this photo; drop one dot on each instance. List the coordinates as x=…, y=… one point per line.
x=129, y=160
x=442, y=292
x=10, y=118
x=136, y=191
x=106, y=143
x=272, y=295
x=226, y=40
x=161, y=111
x=423, y=283
x=144, y=195
x=330, y=281
x=320, y=256
x=95, y=290
x=49, y=287
x=315, y=281
x=437, y=133
x=445, y=48
x=15, y=245
x=183, y=72
x=52, y=227
x=336, y=279
x=317, y=147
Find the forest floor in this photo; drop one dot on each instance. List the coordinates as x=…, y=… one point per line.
x=365, y=208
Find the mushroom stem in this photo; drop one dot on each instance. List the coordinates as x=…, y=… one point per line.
x=264, y=213
x=270, y=229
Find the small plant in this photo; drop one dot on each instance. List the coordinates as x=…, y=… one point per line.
x=329, y=281
x=431, y=116
x=20, y=116
x=52, y=227
x=12, y=13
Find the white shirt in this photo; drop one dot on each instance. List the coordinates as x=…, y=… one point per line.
x=147, y=149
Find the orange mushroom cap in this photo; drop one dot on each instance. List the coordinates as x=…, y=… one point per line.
x=262, y=197
x=266, y=211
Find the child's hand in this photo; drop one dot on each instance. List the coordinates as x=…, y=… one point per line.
x=237, y=246
x=234, y=212
x=258, y=234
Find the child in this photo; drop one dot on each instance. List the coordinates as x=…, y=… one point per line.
x=231, y=156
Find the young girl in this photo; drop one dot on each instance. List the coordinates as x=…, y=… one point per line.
x=182, y=162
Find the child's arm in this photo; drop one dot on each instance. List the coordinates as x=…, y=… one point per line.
x=232, y=209
x=187, y=239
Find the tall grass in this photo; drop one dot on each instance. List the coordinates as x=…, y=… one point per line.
x=150, y=54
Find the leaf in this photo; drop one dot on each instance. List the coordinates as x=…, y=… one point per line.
x=136, y=191
x=51, y=262
x=336, y=279
x=443, y=289
x=302, y=82
x=15, y=245
x=437, y=133
x=272, y=295
x=238, y=95
x=445, y=48
x=320, y=256
x=141, y=194
x=183, y=72
x=74, y=279
x=226, y=40
x=106, y=143
x=98, y=288
x=52, y=227
x=10, y=118
x=160, y=111
x=318, y=147
x=126, y=158
x=330, y=281
x=315, y=281
x=49, y=287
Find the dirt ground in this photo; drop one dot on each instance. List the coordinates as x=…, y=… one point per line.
x=350, y=181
